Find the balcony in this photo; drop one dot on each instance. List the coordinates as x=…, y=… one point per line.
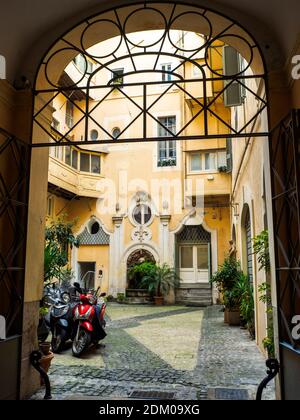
x=75, y=171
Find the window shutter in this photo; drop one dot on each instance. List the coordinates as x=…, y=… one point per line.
x=233, y=95
x=229, y=155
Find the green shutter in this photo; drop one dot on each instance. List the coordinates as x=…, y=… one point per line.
x=233, y=95
x=229, y=155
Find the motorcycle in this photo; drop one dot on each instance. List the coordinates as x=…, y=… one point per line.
x=59, y=319
x=61, y=324
x=89, y=322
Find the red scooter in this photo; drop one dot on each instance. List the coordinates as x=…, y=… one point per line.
x=89, y=322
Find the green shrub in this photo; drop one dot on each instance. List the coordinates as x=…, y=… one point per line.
x=245, y=291
x=227, y=275
x=139, y=271
x=121, y=298
x=160, y=279
x=261, y=249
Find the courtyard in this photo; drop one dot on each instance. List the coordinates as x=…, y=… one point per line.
x=186, y=352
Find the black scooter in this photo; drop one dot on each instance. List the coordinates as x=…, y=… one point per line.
x=61, y=319
x=53, y=296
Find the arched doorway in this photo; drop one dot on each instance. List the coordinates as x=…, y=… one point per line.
x=194, y=265
x=136, y=258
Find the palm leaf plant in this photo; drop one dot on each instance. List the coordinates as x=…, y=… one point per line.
x=160, y=280
x=245, y=292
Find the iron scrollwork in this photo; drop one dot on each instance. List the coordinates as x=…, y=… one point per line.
x=168, y=19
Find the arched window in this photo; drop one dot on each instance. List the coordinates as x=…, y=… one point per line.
x=94, y=135
x=116, y=132
x=95, y=228
x=142, y=214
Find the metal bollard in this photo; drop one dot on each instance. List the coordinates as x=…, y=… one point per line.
x=273, y=369
x=35, y=358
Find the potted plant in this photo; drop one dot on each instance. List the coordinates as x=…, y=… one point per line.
x=223, y=169
x=232, y=303
x=245, y=292
x=225, y=280
x=159, y=281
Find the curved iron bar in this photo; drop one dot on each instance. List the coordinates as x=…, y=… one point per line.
x=35, y=358
x=273, y=370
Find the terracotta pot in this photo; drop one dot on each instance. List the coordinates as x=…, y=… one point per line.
x=234, y=318
x=45, y=348
x=45, y=363
x=159, y=300
x=226, y=311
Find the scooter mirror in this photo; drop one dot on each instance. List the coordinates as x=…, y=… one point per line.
x=102, y=294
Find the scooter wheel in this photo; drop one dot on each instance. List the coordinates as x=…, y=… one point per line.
x=83, y=342
x=57, y=344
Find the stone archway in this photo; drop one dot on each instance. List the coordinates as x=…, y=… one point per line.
x=135, y=258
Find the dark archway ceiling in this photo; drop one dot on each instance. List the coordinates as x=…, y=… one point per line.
x=28, y=27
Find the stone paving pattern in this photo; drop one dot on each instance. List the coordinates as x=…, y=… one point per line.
x=189, y=351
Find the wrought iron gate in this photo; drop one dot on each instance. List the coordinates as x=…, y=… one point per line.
x=285, y=171
x=14, y=180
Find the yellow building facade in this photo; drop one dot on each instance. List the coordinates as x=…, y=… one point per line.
x=166, y=201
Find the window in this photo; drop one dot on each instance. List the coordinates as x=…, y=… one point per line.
x=55, y=124
x=95, y=228
x=90, y=163
x=142, y=214
x=69, y=114
x=85, y=162
x=197, y=72
x=95, y=164
x=71, y=157
x=94, y=135
x=74, y=159
x=58, y=152
x=202, y=257
x=166, y=148
x=118, y=76
x=50, y=205
x=116, y=132
x=186, y=257
x=196, y=162
x=82, y=64
x=68, y=155
x=208, y=161
x=166, y=77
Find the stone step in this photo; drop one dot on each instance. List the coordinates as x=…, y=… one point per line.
x=193, y=302
x=195, y=286
x=194, y=294
x=190, y=292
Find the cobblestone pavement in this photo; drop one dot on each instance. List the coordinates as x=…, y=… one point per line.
x=187, y=351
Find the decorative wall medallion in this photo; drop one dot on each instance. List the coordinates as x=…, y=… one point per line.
x=141, y=234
